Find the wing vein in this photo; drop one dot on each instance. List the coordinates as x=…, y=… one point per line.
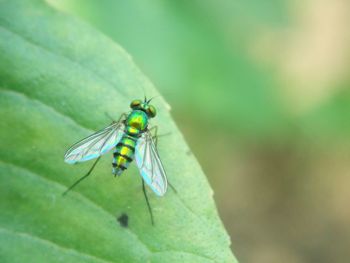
x=149, y=164
x=96, y=144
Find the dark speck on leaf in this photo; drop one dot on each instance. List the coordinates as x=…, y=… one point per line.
x=123, y=220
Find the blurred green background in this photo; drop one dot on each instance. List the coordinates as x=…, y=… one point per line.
x=261, y=92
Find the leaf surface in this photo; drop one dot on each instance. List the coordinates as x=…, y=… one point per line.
x=58, y=78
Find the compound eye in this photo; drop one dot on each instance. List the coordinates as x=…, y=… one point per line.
x=135, y=104
x=151, y=111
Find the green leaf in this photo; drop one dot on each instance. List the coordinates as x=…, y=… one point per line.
x=58, y=78
x=204, y=67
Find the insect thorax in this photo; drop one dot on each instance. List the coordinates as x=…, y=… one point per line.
x=136, y=122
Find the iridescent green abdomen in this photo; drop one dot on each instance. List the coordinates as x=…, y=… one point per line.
x=135, y=123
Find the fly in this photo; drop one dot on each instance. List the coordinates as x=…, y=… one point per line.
x=131, y=140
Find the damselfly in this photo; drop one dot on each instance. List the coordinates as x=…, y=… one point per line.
x=131, y=139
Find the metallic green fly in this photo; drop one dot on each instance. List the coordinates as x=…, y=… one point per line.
x=131, y=139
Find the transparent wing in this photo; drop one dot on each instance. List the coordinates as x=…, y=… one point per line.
x=96, y=144
x=149, y=164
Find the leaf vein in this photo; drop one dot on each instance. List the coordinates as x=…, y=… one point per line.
x=50, y=243
x=200, y=218
x=32, y=42
x=66, y=116
x=91, y=202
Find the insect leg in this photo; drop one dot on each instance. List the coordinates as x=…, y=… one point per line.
x=82, y=178
x=172, y=187
x=155, y=135
x=148, y=204
x=123, y=116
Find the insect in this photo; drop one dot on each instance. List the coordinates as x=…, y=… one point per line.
x=131, y=139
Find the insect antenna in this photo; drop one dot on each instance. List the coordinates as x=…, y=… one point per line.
x=152, y=99
x=147, y=201
x=144, y=94
x=82, y=178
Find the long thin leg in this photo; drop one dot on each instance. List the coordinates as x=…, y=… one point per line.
x=82, y=178
x=172, y=187
x=123, y=116
x=164, y=134
x=154, y=137
x=148, y=204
